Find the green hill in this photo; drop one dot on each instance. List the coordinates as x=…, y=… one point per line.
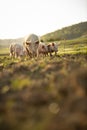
x=70, y=32
x=6, y=42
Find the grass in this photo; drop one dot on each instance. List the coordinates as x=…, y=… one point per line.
x=4, y=51
x=73, y=46
x=45, y=93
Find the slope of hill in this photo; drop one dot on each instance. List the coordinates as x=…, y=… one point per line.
x=7, y=42
x=70, y=32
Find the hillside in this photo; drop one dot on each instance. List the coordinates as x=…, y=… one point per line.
x=7, y=42
x=70, y=32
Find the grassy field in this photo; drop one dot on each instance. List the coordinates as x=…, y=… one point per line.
x=47, y=93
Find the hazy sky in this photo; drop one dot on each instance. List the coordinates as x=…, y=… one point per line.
x=21, y=17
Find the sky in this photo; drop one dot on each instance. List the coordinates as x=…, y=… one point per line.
x=19, y=18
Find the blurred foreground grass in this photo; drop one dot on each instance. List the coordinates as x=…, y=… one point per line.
x=42, y=94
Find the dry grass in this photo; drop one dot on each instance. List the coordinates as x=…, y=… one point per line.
x=42, y=94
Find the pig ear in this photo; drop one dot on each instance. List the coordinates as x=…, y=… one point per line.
x=52, y=44
x=43, y=46
x=48, y=45
x=37, y=42
x=28, y=42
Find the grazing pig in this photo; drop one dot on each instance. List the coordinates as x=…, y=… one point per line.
x=52, y=47
x=16, y=50
x=43, y=49
x=31, y=43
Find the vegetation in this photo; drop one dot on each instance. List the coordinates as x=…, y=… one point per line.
x=73, y=46
x=67, y=33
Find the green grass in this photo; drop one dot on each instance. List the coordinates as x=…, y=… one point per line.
x=4, y=50
x=73, y=46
